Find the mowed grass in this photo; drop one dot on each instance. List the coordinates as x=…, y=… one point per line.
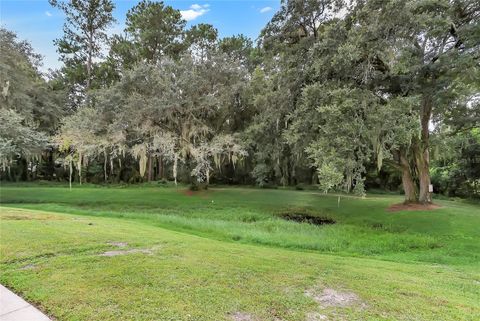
x=225, y=254
x=449, y=235
x=55, y=261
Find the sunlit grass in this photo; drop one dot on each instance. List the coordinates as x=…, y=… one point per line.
x=54, y=260
x=448, y=235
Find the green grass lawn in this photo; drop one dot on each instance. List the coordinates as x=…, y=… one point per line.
x=226, y=254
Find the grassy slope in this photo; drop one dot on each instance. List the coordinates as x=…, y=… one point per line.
x=449, y=235
x=192, y=278
x=189, y=277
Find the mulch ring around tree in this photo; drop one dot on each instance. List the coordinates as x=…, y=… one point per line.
x=412, y=207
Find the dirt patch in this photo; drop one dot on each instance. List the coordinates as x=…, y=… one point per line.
x=242, y=316
x=333, y=298
x=125, y=252
x=188, y=192
x=27, y=267
x=203, y=194
x=306, y=218
x=412, y=207
x=16, y=217
x=315, y=316
x=118, y=244
x=30, y=217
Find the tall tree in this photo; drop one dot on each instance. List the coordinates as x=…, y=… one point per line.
x=422, y=55
x=201, y=39
x=427, y=50
x=155, y=31
x=240, y=48
x=85, y=27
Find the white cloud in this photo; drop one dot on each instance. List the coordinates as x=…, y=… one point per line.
x=266, y=9
x=194, y=12
x=48, y=13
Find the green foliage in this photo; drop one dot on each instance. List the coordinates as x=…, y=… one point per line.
x=84, y=30
x=201, y=39
x=17, y=139
x=456, y=168
x=29, y=108
x=335, y=92
x=154, y=31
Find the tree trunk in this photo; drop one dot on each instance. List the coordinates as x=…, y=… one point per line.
x=80, y=168
x=50, y=167
x=89, y=59
x=105, y=166
x=150, y=169
x=175, y=162
x=407, y=179
x=423, y=168
x=160, y=167
x=422, y=155
x=23, y=173
x=70, y=174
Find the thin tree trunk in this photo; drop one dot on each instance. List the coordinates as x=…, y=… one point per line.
x=70, y=174
x=9, y=169
x=150, y=168
x=51, y=165
x=89, y=59
x=80, y=168
x=160, y=167
x=175, y=169
x=105, y=165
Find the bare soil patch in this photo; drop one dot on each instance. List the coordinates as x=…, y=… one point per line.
x=118, y=244
x=242, y=316
x=125, y=252
x=204, y=194
x=333, y=298
x=412, y=207
x=315, y=316
x=30, y=217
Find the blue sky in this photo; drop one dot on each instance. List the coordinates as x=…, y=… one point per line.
x=39, y=23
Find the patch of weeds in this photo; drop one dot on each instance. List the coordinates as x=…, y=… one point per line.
x=249, y=219
x=386, y=227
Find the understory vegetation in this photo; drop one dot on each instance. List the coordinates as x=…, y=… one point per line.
x=346, y=95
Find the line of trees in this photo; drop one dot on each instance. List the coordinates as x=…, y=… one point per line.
x=343, y=94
